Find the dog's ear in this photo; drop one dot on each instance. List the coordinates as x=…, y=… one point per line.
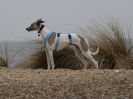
x=40, y=21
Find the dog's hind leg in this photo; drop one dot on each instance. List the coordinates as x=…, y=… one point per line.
x=89, y=56
x=80, y=56
x=84, y=47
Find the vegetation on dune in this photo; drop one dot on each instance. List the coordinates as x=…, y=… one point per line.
x=115, y=42
x=2, y=62
x=4, y=54
x=63, y=59
x=5, y=58
x=35, y=61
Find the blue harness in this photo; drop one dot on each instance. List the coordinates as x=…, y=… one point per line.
x=47, y=36
x=58, y=39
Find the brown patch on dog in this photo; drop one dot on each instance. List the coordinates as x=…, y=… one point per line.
x=83, y=43
x=51, y=39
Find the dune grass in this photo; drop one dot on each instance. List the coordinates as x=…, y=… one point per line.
x=4, y=54
x=115, y=45
x=2, y=62
x=115, y=42
x=5, y=57
x=63, y=59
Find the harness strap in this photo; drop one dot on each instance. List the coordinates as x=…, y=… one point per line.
x=58, y=40
x=47, y=36
x=70, y=38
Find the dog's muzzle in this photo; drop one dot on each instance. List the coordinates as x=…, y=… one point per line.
x=28, y=29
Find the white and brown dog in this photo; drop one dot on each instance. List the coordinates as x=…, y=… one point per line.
x=58, y=41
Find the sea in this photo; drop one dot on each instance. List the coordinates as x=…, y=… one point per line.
x=17, y=52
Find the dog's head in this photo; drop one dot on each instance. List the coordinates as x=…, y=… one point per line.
x=35, y=26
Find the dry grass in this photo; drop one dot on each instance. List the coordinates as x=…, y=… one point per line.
x=2, y=62
x=115, y=45
x=5, y=58
x=63, y=59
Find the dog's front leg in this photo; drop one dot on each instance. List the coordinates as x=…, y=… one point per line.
x=48, y=59
x=51, y=59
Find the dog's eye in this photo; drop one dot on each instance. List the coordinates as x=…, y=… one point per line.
x=32, y=25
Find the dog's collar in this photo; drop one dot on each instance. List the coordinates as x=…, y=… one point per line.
x=42, y=26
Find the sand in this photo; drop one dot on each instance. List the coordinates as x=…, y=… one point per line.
x=65, y=84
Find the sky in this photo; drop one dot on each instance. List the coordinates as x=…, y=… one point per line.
x=59, y=15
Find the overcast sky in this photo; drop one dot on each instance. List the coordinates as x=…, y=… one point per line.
x=60, y=15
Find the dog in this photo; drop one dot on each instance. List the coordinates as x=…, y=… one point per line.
x=57, y=41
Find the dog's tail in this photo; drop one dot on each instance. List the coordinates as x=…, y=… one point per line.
x=93, y=53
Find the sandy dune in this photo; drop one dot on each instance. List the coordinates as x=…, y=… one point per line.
x=65, y=84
